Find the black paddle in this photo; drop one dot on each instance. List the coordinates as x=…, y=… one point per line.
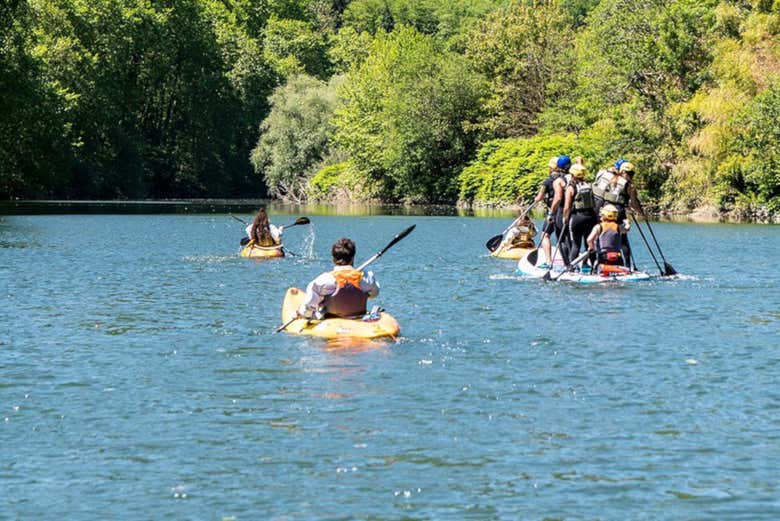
x=668, y=269
x=576, y=261
x=371, y=259
x=493, y=243
x=642, y=234
x=299, y=221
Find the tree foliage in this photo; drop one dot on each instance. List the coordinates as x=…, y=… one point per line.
x=524, y=51
x=295, y=138
x=175, y=98
x=404, y=115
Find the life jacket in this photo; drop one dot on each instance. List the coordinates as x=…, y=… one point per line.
x=602, y=183
x=583, y=197
x=549, y=190
x=612, y=188
x=525, y=237
x=610, y=243
x=348, y=300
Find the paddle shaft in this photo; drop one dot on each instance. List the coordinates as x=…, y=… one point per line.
x=576, y=261
x=642, y=234
x=521, y=216
x=668, y=267
x=392, y=243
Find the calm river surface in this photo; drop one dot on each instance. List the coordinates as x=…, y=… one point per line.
x=140, y=378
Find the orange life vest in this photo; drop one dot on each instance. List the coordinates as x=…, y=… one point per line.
x=348, y=300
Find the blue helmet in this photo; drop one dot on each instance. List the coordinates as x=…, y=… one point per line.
x=619, y=162
x=564, y=162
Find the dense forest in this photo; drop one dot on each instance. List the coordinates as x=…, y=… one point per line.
x=394, y=100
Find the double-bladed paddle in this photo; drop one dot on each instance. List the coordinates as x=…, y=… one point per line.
x=299, y=221
x=371, y=259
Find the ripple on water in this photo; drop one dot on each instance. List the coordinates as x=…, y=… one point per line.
x=153, y=382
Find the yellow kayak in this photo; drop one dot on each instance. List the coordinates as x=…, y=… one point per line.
x=261, y=252
x=513, y=252
x=385, y=326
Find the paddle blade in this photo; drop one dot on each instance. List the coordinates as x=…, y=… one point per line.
x=494, y=242
x=669, y=270
x=398, y=238
x=301, y=220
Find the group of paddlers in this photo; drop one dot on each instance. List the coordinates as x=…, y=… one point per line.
x=583, y=215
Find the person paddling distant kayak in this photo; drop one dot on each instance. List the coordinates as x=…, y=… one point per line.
x=262, y=232
x=521, y=235
x=342, y=292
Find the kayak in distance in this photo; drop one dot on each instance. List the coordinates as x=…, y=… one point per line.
x=513, y=252
x=529, y=266
x=382, y=325
x=251, y=250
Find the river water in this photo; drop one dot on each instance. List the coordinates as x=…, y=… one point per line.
x=141, y=378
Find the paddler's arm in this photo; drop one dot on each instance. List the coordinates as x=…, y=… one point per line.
x=594, y=234
x=369, y=285
x=276, y=233
x=316, y=292
x=567, y=204
x=633, y=200
x=557, y=197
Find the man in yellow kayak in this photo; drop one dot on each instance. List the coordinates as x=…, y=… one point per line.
x=342, y=292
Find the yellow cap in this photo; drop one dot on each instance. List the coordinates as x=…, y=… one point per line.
x=609, y=212
x=627, y=168
x=578, y=171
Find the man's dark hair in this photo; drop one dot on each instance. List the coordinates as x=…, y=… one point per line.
x=343, y=252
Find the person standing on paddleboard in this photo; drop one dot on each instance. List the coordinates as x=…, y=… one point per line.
x=578, y=209
x=551, y=192
x=341, y=292
x=618, y=189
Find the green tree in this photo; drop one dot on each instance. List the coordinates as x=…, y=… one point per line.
x=295, y=47
x=295, y=138
x=34, y=129
x=525, y=51
x=405, y=116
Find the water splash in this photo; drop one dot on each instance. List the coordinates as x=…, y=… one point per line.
x=307, y=250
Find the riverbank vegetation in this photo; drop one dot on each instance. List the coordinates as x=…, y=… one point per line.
x=394, y=100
